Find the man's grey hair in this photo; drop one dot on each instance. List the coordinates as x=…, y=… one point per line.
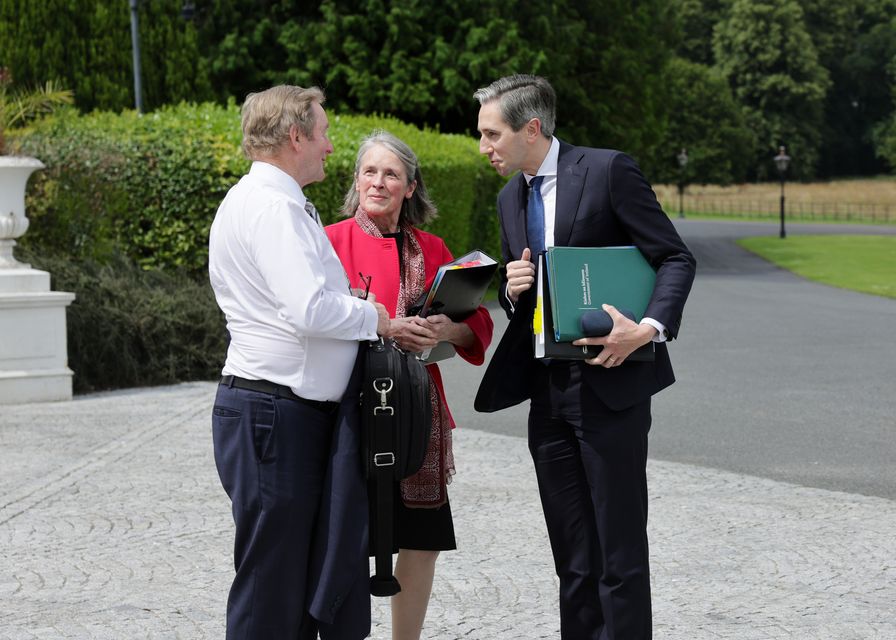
x=523, y=97
x=268, y=115
x=416, y=210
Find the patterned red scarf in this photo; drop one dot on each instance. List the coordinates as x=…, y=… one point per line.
x=428, y=487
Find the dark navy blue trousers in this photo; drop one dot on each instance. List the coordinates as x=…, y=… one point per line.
x=271, y=454
x=591, y=465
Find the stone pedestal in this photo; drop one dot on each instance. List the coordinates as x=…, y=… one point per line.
x=33, y=345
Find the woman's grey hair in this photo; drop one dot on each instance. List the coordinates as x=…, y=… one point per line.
x=523, y=97
x=416, y=210
x=268, y=115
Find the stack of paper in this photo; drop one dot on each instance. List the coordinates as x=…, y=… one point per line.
x=459, y=286
x=456, y=291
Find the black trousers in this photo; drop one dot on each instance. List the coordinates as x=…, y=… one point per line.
x=591, y=466
x=271, y=454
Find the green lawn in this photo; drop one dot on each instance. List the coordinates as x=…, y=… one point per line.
x=861, y=263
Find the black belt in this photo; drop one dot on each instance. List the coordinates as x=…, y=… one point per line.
x=263, y=386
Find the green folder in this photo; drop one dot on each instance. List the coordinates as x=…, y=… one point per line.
x=583, y=278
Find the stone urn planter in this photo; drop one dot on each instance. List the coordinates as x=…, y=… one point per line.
x=14, y=174
x=33, y=347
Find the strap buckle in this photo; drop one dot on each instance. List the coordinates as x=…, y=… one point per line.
x=384, y=459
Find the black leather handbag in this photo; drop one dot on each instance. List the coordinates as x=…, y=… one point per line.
x=397, y=420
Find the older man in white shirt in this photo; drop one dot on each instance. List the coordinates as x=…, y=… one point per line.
x=294, y=331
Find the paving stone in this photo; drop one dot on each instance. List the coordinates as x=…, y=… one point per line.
x=113, y=525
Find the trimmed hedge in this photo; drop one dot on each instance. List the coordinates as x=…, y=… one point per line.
x=132, y=327
x=121, y=216
x=148, y=186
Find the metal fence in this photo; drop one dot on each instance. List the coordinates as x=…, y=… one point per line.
x=794, y=209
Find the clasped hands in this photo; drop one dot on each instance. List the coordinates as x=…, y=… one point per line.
x=626, y=336
x=417, y=334
x=414, y=334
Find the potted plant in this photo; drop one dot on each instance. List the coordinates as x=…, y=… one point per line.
x=17, y=108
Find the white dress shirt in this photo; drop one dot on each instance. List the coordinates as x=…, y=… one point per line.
x=548, y=190
x=283, y=290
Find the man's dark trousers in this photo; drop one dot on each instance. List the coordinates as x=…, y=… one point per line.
x=591, y=465
x=271, y=454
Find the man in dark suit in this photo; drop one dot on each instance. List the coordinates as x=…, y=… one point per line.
x=588, y=420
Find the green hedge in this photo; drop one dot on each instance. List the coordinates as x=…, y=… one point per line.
x=147, y=187
x=132, y=327
x=121, y=215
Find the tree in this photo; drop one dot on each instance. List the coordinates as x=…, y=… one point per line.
x=884, y=134
x=422, y=63
x=855, y=39
x=414, y=59
x=769, y=60
x=697, y=19
x=241, y=42
x=705, y=119
x=610, y=80
x=86, y=45
x=406, y=57
x=175, y=68
x=885, y=141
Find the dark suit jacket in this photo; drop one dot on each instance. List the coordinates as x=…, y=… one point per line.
x=339, y=587
x=603, y=200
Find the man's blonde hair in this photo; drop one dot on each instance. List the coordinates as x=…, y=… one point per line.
x=268, y=115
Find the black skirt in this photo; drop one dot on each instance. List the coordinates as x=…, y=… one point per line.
x=423, y=529
x=415, y=528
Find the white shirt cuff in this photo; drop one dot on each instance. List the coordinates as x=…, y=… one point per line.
x=371, y=320
x=507, y=297
x=662, y=334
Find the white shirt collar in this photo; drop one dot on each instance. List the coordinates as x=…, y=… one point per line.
x=268, y=173
x=549, y=164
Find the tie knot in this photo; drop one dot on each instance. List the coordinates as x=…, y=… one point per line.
x=535, y=183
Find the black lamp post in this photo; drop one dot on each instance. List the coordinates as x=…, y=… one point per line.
x=187, y=12
x=682, y=165
x=782, y=161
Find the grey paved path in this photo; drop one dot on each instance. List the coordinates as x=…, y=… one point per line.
x=779, y=376
x=113, y=525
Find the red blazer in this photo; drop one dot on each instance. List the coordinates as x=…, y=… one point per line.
x=378, y=257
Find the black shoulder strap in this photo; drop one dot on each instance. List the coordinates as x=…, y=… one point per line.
x=384, y=455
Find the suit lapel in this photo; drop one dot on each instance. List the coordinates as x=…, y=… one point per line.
x=570, y=183
x=517, y=220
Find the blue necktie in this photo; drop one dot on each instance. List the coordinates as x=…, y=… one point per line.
x=535, y=217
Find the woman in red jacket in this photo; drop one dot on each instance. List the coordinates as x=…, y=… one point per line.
x=380, y=241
